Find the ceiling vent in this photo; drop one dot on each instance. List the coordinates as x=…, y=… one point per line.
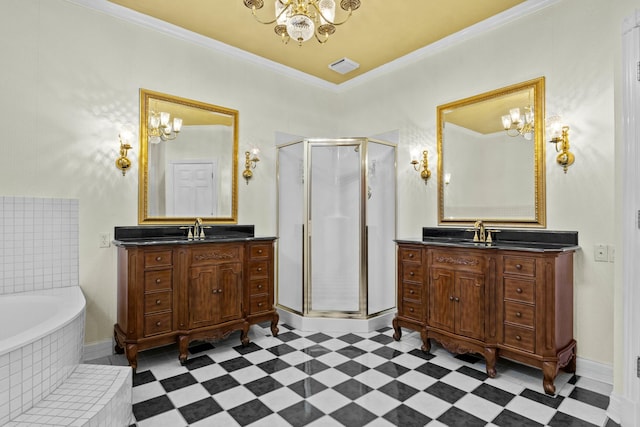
x=344, y=65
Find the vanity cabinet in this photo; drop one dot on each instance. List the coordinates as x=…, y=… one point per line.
x=183, y=292
x=491, y=301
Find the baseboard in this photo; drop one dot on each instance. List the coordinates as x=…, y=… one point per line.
x=594, y=370
x=97, y=350
x=325, y=324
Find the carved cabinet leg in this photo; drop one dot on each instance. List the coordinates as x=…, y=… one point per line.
x=274, y=324
x=397, y=334
x=549, y=370
x=244, y=336
x=131, y=351
x=117, y=348
x=426, y=342
x=490, y=358
x=183, y=346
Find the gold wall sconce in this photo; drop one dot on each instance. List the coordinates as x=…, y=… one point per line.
x=560, y=137
x=122, y=162
x=250, y=161
x=422, y=166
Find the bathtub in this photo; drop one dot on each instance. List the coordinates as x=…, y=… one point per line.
x=41, y=343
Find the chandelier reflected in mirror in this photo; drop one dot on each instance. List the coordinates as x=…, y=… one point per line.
x=515, y=123
x=162, y=128
x=302, y=19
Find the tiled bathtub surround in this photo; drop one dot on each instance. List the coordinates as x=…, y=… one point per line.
x=38, y=243
x=31, y=372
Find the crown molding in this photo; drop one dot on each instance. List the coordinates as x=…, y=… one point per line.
x=120, y=12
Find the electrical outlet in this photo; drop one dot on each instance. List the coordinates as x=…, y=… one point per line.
x=612, y=252
x=104, y=240
x=601, y=254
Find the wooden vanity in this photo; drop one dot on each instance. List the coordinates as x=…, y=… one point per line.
x=502, y=300
x=183, y=290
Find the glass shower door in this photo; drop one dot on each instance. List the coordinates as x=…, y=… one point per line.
x=335, y=218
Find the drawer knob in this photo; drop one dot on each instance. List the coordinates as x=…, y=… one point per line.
x=157, y=280
x=158, y=323
x=412, y=274
x=519, y=290
x=457, y=299
x=518, y=314
x=412, y=292
x=411, y=310
x=259, y=251
x=259, y=286
x=158, y=302
x=410, y=255
x=450, y=298
x=260, y=304
x=519, y=266
x=518, y=337
x=158, y=258
x=259, y=268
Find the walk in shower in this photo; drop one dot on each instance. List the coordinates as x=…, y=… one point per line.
x=336, y=228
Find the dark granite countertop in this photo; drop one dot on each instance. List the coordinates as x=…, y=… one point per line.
x=504, y=239
x=178, y=235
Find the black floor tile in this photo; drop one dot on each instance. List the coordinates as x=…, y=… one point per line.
x=493, y=394
x=561, y=419
x=198, y=362
x=397, y=390
x=351, y=338
x=351, y=368
x=351, y=352
x=468, y=357
x=301, y=414
x=473, y=373
x=312, y=367
x=288, y=336
x=392, y=369
x=458, y=417
x=235, y=364
x=263, y=386
x=511, y=419
x=421, y=354
x=199, y=410
x=382, y=339
x=143, y=377
x=590, y=397
x=307, y=387
x=406, y=417
x=433, y=370
x=178, y=382
x=387, y=352
x=220, y=384
x=152, y=407
x=200, y=347
x=249, y=348
x=551, y=401
x=273, y=365
x=445, y=392
x=250, y=412
x=353, y=415
x=319, y=337
x=316, y=350
x=352, y=389
x=281, y=350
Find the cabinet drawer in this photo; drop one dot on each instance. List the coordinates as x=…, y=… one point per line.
x=157, y=323
x=410, y=254
x=412, y=310
x=411, y=291
x=257, y=287
x=258, y=269
x=158, y=258
x=460, y=260
x=519, y=290
x=260, y=303
x=159, y=301
x=520, y=265
x=259, y=251
x=158, y=280
x=520, y=338
x=411, y=272
x=215, y=254
x=520, y=314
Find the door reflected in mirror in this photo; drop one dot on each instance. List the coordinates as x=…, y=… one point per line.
x=188, y=160
x=491, y=157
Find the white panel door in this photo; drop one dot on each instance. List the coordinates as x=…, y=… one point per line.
x=191, y=189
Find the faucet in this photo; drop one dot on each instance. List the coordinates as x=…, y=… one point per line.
x=478, y=226
x=198, y=230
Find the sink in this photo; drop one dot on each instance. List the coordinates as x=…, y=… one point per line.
x=150, y=235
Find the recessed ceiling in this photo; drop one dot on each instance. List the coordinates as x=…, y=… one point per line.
x=379, y=32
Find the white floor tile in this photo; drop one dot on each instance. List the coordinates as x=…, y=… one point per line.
x=479, y=407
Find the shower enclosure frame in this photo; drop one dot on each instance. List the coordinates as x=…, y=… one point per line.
x=306, y=303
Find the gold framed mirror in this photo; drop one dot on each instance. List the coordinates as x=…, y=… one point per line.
x=491, y=157
x=189, y=173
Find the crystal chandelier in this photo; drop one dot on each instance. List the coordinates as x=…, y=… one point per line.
x=162, y=128
x=516, y=123
x=302, y=19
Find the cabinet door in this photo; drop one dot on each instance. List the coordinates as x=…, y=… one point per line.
x=470, y=305
x=230, y=291
x=203, y=291
x=441, y=299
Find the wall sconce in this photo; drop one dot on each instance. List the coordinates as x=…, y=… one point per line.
x=250, y=163
x=126, y=137
x=423, y=167
x=560, y=137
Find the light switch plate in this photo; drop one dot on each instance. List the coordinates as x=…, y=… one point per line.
x=104, y=240
x=601, y=254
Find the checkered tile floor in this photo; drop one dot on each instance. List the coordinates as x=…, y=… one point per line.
x=336, y=379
